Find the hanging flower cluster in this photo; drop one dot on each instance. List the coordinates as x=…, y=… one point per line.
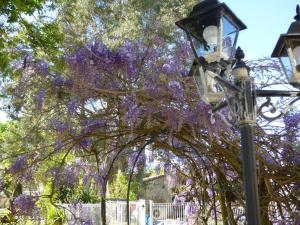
x=25, y=205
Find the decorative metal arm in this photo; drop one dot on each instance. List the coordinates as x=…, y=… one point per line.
x=236, y=99
x=272, y=109
x=277, y=93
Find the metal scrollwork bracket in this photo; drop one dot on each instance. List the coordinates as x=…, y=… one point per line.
x=271, y=107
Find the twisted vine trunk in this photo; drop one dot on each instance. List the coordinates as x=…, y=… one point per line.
x=225, y=199
x=223, y=209
x=264, y=201
x=228, y=197
x=103, y=208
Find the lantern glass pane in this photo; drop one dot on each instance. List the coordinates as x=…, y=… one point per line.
x=203, y=49
x=204, y=34
x=295, y=46
x=200, y=82
x=296, y=53
x=286, y=66
x=230, y=33
x=208, y=90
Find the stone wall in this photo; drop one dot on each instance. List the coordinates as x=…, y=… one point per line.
x=4, y=202
x=156, y=189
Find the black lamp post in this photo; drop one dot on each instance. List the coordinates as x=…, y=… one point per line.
x=223, y=81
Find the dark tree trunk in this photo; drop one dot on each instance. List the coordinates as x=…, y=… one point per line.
x=229, y=196
x=264, y=202
x=103, y=210
x=103, y=204
x=226, y=197
x=223, y=208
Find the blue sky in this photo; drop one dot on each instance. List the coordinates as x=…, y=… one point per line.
x=266, y=20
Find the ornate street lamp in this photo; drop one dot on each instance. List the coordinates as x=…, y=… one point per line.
x=222, y=81
x=213, y=30
x=287, y=50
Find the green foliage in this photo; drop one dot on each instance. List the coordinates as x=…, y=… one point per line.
x=87, y=196
x=53, y=215
x=118, y=187
x=27, y=28
x=14, y=8
x=7, y=218
x=3, y=127
x=79, y=194
x=66, y=194
x=10, y=140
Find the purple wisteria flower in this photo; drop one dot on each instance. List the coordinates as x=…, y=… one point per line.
x=58, y=81
x=184, y=72
x=72, y=107
x=171, y=67
x=85, y=143
x=40, y=98
x=133, y=111
x=176, y=143
x=176, y=90
x=19, y=165
x=86, y=178
x=140, y=161
x=167, y=68
x=25, y=205
x=67, y=176
x=210, y=192
x=58, y=125
x=179, y=199
x=68, y=83
x=167, y=168
x=191, y=209
x=58, y=145
x=291, y=153
x=291, y=122
x=157, y=168
x=41, y=68
x=189, y=182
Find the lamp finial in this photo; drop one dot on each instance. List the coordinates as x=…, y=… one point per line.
x=297, y=17
x=239, y=54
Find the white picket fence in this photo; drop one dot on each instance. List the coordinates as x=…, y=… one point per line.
x=116, y=213
x=141, y=213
